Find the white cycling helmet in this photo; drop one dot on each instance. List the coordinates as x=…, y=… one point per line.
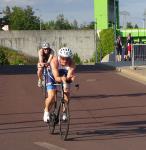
x=45, y=45
x=65, y=52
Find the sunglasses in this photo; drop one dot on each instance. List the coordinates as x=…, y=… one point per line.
x=65, y=58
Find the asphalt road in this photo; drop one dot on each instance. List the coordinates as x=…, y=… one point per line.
x=108, y=112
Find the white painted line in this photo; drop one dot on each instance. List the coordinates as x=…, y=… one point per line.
x=91, y=80
x=48, y=146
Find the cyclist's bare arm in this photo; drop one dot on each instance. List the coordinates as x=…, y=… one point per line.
x=50, y=58
x=71, y=72
x=40, y=54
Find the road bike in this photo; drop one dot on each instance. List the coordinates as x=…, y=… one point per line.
x=59, y=109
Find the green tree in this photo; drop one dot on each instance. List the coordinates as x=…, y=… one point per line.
x=136, y=26
x=87, y=26
x=129, y=25
x=77, y=59
x=49, y=25
x=106, y=42
x=75, y=24
x=7, y=13
x=21, y=19
x=62, y=23
x=24, y=19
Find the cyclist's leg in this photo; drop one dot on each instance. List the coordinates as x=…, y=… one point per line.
x=50, y=99
x=66, y=102
x=66, y=96
x=66, y=91
x=51, y=91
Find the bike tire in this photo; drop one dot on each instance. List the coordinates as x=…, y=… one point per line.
x=44, y=87
x=44, y=91
x=52, y=121
x=64, y=124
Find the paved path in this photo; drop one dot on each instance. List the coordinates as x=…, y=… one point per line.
x=137, y=73
x=108, y=112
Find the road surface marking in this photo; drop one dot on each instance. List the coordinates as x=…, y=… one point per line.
x=49, y=146
x=91, y=80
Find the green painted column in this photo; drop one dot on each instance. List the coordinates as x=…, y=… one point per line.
x=104, y=13
x=101, y=13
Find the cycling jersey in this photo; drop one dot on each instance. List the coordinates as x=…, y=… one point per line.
x=50, y=80
x=63, y=70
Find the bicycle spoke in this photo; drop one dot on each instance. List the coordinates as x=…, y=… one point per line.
x=64, y=121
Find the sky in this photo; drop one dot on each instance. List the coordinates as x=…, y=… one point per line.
x=81, y=10
x=136, y=9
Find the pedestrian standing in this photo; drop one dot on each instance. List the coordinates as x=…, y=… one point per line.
x=119, y=49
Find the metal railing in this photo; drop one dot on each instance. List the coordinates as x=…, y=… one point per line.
x=138, y=55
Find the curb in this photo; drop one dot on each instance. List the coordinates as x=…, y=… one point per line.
x=131, y=74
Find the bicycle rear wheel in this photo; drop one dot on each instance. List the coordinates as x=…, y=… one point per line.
x=44, y=90
x=64, y=123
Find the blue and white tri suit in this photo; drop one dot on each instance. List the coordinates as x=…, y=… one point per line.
x=63, y=70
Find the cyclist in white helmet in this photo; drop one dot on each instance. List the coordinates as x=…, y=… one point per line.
x=62, y=70
x=45, y=55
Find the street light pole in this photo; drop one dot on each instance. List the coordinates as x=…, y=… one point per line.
x=115, y=26
x=40, y=22
x=95, y=41
x=1, y=18
x=40, y=18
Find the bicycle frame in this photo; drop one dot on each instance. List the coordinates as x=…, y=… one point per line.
x=56, y=115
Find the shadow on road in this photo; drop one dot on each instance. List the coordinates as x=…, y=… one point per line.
x=99, y=96
x=18, y=69
x=32, y=69
x=119, y=130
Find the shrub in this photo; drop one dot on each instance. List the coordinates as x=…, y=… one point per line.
x=105, y=44
x=3, y=58
x=77, y=59
x=15, y=57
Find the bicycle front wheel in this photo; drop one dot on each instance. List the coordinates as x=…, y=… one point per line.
x=52, y=121
x=64, y=120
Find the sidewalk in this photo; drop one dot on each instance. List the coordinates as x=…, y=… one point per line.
x=137, y=73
